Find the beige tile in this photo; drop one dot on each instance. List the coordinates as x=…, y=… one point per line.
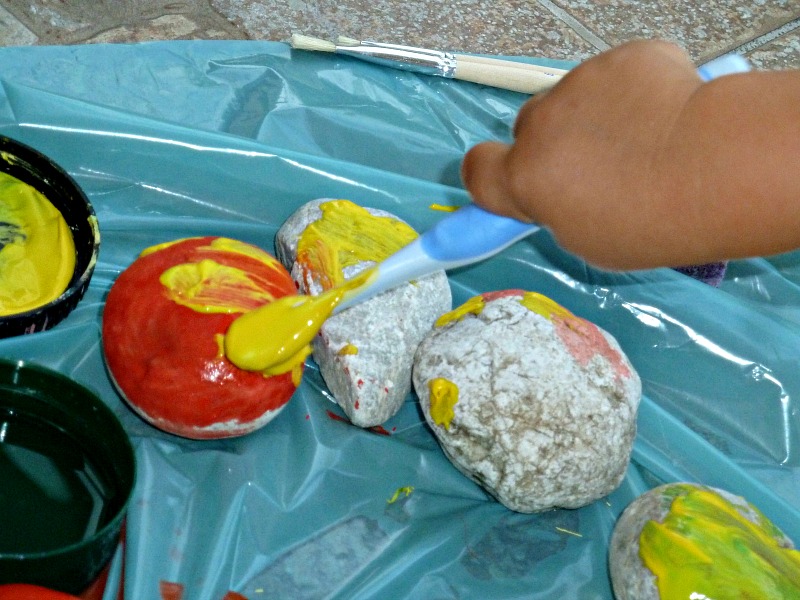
x=705, y=29
x=781, y=53
x=78, y=21
x=502, y=27
x=14, y=33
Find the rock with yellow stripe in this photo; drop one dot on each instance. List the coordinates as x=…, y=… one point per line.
x=366, y=352
x=530, y=401
x=686, y=540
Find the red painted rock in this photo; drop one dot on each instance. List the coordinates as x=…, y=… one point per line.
x=163, y=337
x=26, y=591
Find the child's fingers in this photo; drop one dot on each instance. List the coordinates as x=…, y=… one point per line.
x=486, y=176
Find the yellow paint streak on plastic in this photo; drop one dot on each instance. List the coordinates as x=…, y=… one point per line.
x=277, y=337
x=37, y=252
x=473, y=306
x=406, y=490
x=444, y=397
x=444, y=207
x=706, y=548
x=569, y=532
x=346, y=236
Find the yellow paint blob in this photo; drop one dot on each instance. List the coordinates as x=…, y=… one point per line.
x=37, y=252
x=705, y=549
x=544, y=306
x=276, y=337
x=345, y=236
x=473, y=306
x=348, y=350
x=207, y=286
x=444, y=397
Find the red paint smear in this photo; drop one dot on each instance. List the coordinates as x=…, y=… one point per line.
x=159, y=351
x=336, y=417
x=356, y=405
x=234, y=596
x=360, y=383
x=379, y=429
x=170, y=590
x=584, y=340
x=308, y=417
x=489, y=296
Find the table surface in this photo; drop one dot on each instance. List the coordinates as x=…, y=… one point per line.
x=767, y=33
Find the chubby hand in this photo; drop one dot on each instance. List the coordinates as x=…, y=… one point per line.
x=590, y=158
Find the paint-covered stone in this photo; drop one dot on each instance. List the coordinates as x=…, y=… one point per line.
x=533, y=403
x=365, y=353
x=164, y=323
x=686, y=540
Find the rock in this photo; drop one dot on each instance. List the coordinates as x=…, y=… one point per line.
x=366, y=352
x=533, y=403
x=739, y=552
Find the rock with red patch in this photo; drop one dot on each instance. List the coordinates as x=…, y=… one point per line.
x=163, y=329
x=533, y=403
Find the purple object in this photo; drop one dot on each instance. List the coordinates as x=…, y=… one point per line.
x=710, y=273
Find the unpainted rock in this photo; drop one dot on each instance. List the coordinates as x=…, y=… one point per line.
x=539, y=409
x=366, y=352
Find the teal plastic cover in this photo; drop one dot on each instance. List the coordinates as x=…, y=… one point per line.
x=180, y=139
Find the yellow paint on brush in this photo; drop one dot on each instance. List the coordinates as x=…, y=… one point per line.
x=705, y=548
x=37, y=252
x=444, y=397
x=473, y=306
x=293, y=322
x=346, y=235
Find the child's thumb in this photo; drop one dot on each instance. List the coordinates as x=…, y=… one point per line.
x=484, y=173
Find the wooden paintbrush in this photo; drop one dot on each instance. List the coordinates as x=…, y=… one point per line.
x=504, y=74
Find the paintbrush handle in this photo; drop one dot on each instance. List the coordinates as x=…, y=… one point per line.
x=505, y=63
x=505, y=74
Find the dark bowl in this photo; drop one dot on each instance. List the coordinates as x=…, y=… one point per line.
x=68, y=473
x=37, y=170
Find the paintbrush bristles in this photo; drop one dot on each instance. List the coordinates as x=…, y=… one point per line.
x=347, y=41
x=306, y=42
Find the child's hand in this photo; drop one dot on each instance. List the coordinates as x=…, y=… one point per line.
x=590, y=159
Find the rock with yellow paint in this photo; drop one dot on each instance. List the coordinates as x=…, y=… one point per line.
x=530, y=401
x=366, y=352
x=685, y=540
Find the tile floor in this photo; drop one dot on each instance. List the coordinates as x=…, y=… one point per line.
x=766, y=31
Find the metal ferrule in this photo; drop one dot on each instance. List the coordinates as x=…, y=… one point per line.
x=408, y=58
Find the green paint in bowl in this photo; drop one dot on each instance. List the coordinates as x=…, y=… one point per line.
x=67, y=470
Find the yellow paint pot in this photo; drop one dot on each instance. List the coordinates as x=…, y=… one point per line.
x=76, y=250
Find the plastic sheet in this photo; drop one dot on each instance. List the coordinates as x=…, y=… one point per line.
x=204, y=138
